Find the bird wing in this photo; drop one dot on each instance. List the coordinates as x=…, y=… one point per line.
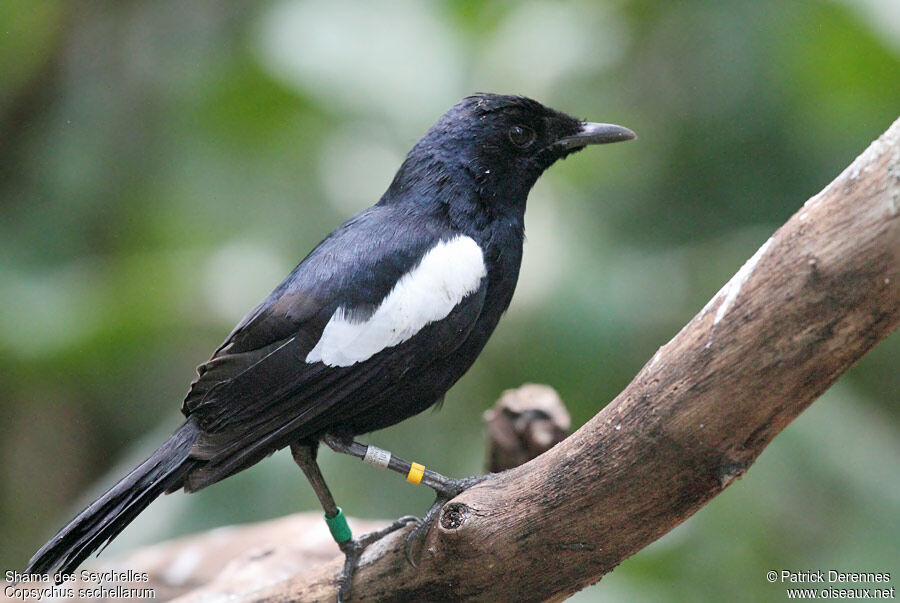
x=358, y=315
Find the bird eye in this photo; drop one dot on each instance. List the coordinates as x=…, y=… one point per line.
x=521, y=136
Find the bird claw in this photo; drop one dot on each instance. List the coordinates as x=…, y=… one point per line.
x=448, y=490
x=416, y=537
x=353, y=550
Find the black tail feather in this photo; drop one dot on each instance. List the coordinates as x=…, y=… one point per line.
x=102, y=520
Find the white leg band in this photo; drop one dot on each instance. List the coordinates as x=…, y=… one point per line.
x=377, y=456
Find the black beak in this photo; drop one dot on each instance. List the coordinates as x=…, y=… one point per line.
x=592, y=133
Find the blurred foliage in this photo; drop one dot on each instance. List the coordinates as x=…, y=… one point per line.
x=164, y=164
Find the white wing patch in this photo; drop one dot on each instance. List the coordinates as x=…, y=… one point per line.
x=450, y=271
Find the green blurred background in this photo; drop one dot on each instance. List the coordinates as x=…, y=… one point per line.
x=164, y=164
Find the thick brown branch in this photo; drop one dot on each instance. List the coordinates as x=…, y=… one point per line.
x=811, y=302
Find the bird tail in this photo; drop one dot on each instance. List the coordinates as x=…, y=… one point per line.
x=103, y=519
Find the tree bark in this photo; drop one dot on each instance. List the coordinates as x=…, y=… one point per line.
x=811, y=302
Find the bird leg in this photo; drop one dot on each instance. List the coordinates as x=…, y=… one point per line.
x=305, y=457
x=445, y=488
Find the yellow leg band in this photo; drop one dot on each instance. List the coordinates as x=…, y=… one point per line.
x=416, y=471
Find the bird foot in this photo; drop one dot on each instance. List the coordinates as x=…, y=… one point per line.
x=353, y=550
x=446, y=489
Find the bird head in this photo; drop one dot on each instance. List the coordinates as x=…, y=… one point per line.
x=502, y=144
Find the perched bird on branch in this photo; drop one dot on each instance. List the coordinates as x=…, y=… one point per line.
x=372, y=327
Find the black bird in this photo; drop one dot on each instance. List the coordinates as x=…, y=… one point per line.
x=372, y=327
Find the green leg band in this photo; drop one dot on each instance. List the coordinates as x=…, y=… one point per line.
x=338, y=527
